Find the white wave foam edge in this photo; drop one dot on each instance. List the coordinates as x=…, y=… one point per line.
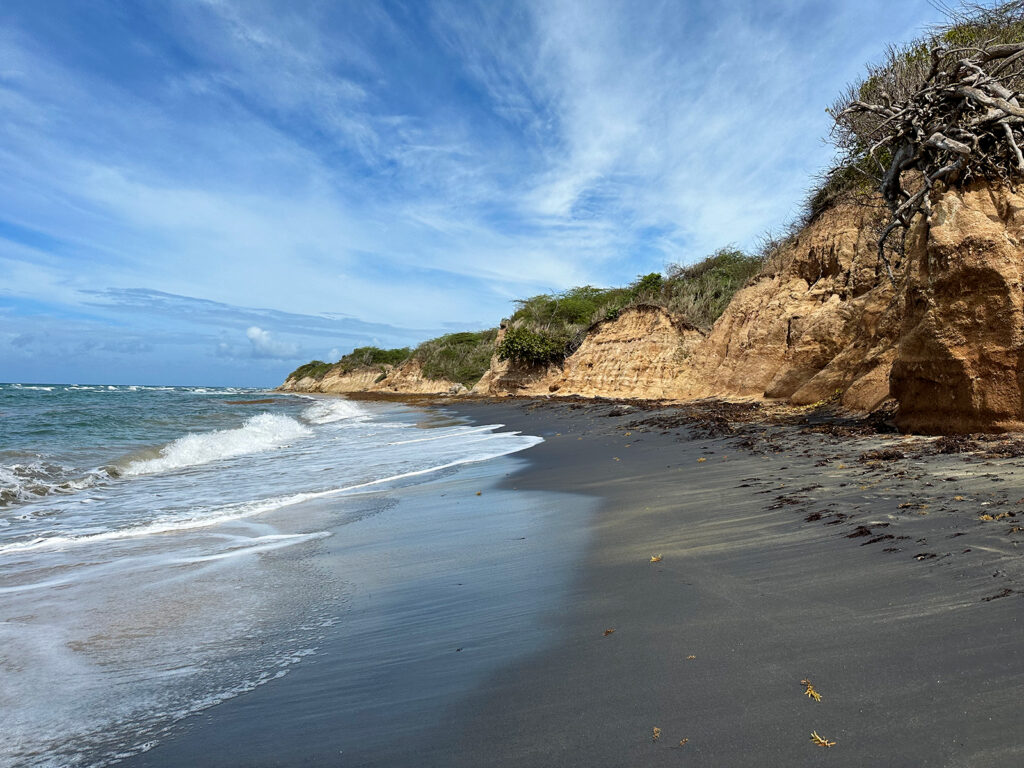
x=452, y=433
x=329, y=411
x=243, y=510
x=263, y=432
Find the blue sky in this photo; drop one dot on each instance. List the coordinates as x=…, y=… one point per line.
x=214, y=191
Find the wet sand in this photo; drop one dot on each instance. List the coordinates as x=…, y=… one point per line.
x=881, y=568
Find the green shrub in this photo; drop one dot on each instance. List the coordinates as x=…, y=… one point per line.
x=647, y=286
x=315, y=369
x=459, y=357
x=523, y=345
x=701, y=292
x=364, y=357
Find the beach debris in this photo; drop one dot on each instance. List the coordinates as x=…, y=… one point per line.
x=820, y=741
x=656, y=734
x=691, y=657
x=1006, y=592
x=609, y=631
x=478, y=493
x=683, y=742
x=810, y=691
x=701, y=460
x=655, y=558
x=1000, y=516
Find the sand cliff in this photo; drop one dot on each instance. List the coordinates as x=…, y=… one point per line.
x=407, y=377
x=822, y=323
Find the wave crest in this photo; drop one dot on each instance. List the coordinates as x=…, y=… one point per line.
x=329, y=411
x=263, y=432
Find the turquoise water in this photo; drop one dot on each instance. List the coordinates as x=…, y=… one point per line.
x=141, y=530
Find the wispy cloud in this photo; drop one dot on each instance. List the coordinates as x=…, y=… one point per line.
x=406, y=165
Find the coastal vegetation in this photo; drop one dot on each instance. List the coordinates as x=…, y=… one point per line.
x=548, y=328
x=360, y=357
x=942, y=109
x=459, y=357
x=315, y=369
x=365, y=357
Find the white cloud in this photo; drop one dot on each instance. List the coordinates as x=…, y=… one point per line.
x=263, y=345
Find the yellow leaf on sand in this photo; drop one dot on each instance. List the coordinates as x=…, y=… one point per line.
x=656, y=734
x=701, y=460
x=655, y=558
x=820, y=741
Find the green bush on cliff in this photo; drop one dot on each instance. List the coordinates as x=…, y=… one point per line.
x=523, y=345
x=459, y=357
x=314, y=369
x=365, y=357
x=700, y=292
x=550, y=326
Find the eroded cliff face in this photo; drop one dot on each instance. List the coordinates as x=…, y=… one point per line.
x=945, y=338
x=407, y=378
x=959, y=365
x=506, y=377
x=821, y=325
x=335, y=381
x=642, y=353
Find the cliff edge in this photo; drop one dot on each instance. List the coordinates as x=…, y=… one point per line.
x=822, y=322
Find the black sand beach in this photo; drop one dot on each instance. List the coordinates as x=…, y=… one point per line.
x=881, y=568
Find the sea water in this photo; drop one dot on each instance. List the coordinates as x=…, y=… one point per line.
x=138, y=533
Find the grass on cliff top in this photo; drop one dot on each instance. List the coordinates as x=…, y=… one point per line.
x=459, y=357
x=314, y=369
x=361, y=357
x=550, y=327
x=369, y=357
x=701, y=292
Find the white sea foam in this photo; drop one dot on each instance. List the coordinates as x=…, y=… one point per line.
x=263, y=432
x=232, y=512
x=330, y=411
x=31, y=480
x=129, y=602
x=450, y=434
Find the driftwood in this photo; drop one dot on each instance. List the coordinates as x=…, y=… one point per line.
x=963, y=121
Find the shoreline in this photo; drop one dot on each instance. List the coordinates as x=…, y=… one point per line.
x=788, y=551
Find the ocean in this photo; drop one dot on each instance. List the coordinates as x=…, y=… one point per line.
x=164, y=549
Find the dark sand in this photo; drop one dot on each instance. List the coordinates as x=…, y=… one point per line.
x=790, y=552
